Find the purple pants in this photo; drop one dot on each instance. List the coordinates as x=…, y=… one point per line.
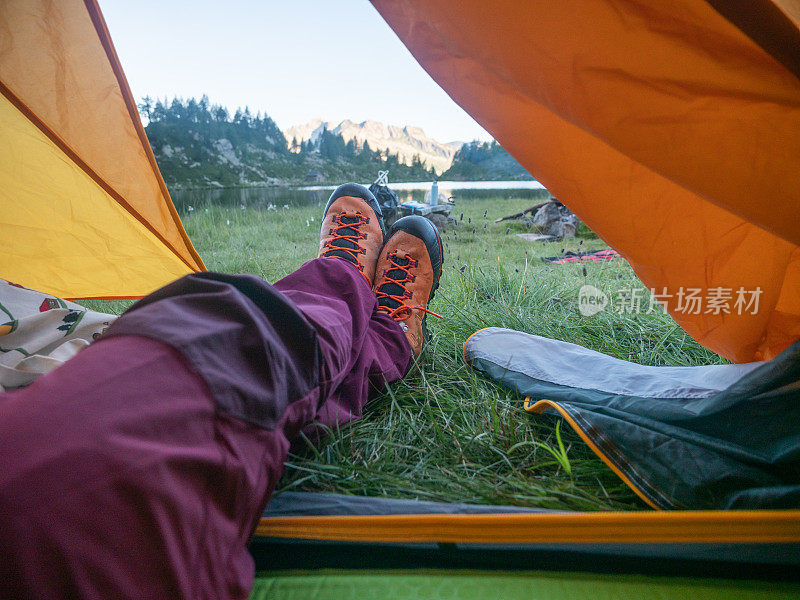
x=140, y=468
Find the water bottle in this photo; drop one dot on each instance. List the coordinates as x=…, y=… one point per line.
x=434, y=194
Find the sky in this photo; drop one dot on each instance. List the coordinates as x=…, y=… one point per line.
x=293, y=59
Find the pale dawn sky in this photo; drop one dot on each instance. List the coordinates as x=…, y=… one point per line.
x=295, y=60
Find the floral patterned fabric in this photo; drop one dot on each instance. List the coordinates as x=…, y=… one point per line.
x=39, y=332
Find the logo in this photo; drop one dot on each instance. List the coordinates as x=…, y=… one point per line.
x=591, y=300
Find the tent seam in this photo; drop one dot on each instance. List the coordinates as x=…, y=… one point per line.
x=74, y=157
x=105, y=40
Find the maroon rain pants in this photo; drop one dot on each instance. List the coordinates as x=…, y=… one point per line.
x=140, y=468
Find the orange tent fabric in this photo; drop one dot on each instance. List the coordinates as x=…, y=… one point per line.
x=670, y=131
x=85, y=209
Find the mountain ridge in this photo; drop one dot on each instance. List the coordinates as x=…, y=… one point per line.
x=407, y=142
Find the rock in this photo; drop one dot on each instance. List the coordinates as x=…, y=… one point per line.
x=570, y=223
x=555, y=229
x=546, y=216
x=315, y=176
x=440, y=220
x=226, y=152
x=556, y=220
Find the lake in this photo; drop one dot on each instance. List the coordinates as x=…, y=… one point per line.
x=262, y=197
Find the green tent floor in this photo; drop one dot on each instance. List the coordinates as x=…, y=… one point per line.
x=528, y=585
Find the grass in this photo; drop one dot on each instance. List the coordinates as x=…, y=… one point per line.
x=445, y=432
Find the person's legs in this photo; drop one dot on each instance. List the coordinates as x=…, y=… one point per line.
x=140, y=470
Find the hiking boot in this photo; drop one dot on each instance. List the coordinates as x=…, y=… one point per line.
x=407, y=275
x=352, y=228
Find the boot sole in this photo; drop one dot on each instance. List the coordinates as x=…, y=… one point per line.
x=426, y=335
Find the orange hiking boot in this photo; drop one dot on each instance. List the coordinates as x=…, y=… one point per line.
x=407, y=275
x=352, y=228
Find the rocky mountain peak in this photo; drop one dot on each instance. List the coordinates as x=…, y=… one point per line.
x=407, y=141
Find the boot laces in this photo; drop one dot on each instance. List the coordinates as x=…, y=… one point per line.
x=345, y=235
x=393, y=293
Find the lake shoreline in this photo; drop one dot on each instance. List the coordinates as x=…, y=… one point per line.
x=289, y=183
x=267, y=197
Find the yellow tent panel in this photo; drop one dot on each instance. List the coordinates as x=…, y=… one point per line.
x=69, y=237
x=88, y=154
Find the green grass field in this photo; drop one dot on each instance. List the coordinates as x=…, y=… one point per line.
x=445, y=432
